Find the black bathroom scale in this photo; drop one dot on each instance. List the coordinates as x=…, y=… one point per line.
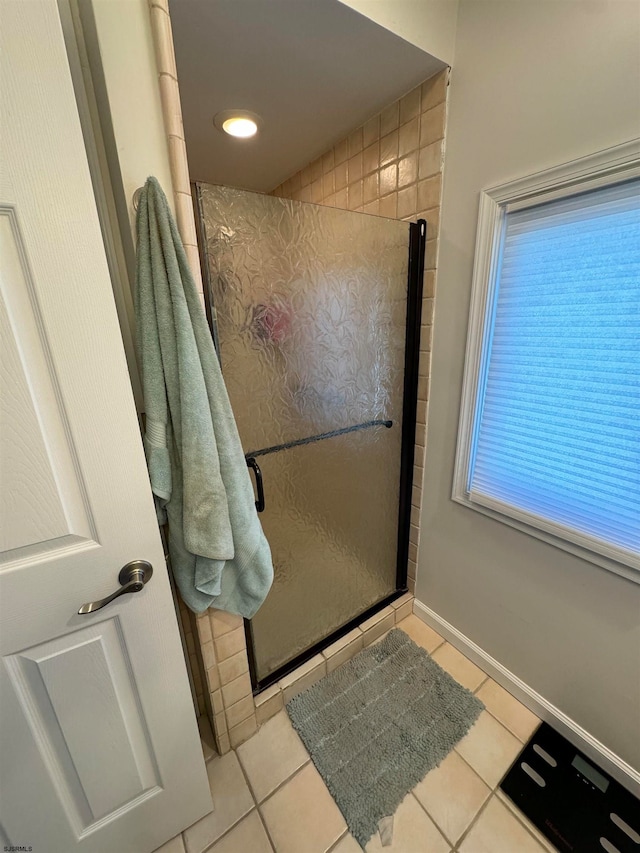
x=573, y=803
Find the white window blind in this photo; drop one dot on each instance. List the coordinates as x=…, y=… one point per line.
x=556, y=432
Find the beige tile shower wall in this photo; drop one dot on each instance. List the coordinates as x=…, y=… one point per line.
x=392, y=166
x=229, y=693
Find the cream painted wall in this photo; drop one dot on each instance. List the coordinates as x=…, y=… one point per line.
x=428, y=24
x=112, y=52
x=534, y=84
x=125, y=39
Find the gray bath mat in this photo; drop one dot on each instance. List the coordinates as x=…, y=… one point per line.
x=378, y=724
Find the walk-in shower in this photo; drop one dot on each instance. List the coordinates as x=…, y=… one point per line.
x=315, y=313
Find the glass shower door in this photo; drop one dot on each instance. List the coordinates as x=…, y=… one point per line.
x=310, y=308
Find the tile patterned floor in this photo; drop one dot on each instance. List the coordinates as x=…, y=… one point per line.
x=269, y=798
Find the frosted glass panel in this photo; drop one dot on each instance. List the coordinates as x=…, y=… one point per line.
x=310, y=305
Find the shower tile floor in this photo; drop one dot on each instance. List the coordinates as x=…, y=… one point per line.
x=269, y=798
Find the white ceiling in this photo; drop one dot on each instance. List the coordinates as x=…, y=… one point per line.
x=312, y=69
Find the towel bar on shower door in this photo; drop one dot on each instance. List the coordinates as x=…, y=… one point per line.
x=251, y=461
x=276, y=448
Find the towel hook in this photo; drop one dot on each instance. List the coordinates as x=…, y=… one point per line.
x=136, y=198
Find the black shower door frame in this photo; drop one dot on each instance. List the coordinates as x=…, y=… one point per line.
x=415, y=282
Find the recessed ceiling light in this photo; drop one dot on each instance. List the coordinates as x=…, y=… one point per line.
x=239, y=123
x=239, y=126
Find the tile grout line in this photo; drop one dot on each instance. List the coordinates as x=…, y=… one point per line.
x=475, y=773
x=240, y=819
x=484, y=805
x=283, y=783
x=521, y=818
x=223, y=834
x=338, y=840
x=439, y=646
x=246, y=777
x=275, y=791
x=492, y=795
x=432, y=819
x=444, y=643
x=504, y=725
x=472, y=768
x=266, y=830
x=474, y=820
x=484, y=681
x=255, y=801
x=455, y=749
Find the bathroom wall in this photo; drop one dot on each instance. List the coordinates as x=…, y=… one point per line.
x=126, y=54
x=391, y=166
x=533, y=85
x=429, y=24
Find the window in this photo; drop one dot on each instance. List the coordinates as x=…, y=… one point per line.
x=550, y=427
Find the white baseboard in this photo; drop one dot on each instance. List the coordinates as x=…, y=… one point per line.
x=581, y=739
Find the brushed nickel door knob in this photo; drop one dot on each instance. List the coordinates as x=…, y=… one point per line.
x=132, y=578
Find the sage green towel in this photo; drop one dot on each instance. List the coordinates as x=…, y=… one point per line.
x=198, y=473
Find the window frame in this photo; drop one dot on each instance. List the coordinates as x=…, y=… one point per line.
x=604, y=168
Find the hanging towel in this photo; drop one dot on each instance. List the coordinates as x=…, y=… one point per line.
x=198, y=473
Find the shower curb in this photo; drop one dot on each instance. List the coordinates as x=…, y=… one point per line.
x=234, y=712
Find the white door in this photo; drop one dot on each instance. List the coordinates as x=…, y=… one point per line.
x=99, y=745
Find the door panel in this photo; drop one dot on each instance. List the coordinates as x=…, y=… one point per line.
x=99, y=744
x=78, y=697
x=43, y=503
x=311, y=308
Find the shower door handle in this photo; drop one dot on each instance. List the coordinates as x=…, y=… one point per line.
x=251, y=463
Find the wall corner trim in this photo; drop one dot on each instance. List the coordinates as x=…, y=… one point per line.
x=606, y=758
